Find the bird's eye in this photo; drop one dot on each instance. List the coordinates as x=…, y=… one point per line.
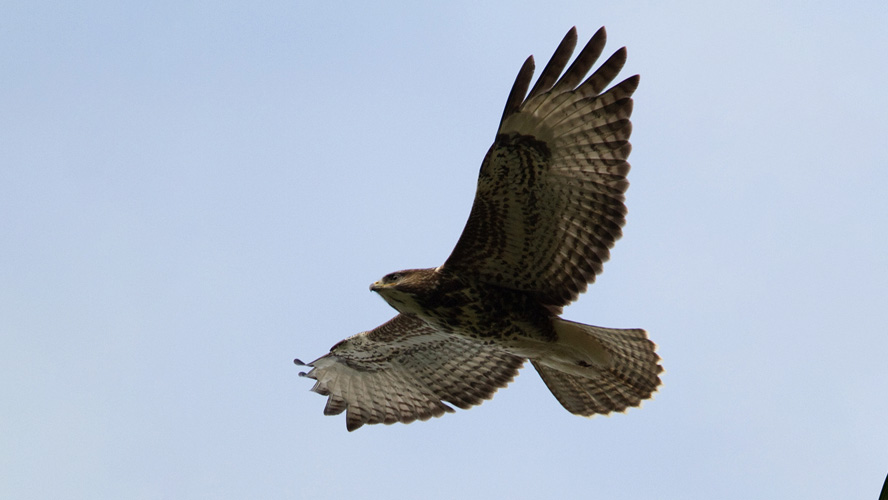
x=393, y=277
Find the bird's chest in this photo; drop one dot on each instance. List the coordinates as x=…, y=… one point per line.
x=486, y=313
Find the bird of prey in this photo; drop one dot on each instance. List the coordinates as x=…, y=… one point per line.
x=548, y=207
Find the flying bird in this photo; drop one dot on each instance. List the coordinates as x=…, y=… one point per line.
x=548, y=207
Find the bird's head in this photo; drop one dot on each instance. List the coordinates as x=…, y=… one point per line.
x=401, y=289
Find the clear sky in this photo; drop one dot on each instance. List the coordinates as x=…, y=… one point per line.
x=194, y=193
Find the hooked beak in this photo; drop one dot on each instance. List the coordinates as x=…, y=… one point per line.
x=375, y=287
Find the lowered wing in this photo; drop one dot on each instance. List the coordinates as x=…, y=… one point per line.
x=405, y=370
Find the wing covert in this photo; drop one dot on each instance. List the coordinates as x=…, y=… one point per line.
x=405, y=370
x=549, y=202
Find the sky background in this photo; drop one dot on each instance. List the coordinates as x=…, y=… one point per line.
x=194, y=193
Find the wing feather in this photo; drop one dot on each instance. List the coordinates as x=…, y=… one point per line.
x=556, y=64
x=406, y=370
x=550, y=198
x=519, y=88
x=586, y=58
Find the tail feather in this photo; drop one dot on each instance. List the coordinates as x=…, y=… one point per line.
x=612, y=369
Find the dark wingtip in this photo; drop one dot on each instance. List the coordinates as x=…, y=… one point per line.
x=299, y=362
x=556, y=64
x=519, y=89
x=620, y=55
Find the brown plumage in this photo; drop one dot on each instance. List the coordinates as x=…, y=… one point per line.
x=548, y=207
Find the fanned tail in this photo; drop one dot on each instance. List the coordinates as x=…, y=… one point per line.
x=610, y=370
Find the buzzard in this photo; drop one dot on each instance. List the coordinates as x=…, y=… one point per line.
x=548, y=207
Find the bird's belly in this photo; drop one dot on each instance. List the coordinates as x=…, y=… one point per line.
x=486, y=313
x=509, y=328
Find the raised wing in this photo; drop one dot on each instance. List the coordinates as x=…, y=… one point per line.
x=549, y=202
x=405, y=370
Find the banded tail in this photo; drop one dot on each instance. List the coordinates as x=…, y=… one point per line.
x=609, y=370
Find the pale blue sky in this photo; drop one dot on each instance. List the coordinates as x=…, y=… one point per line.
x=193, y=194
